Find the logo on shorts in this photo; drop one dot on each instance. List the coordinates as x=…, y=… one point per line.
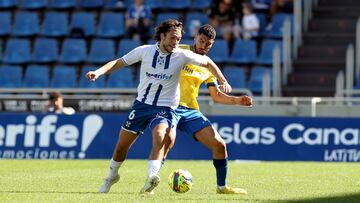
x=163, y=114
x=127, y=124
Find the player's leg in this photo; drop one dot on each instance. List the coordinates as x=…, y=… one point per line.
x=132, y=126
x=125, y=140
x=209, y=137
x=161, y=127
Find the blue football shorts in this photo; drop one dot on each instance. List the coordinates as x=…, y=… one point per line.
x=142, y=115
x=190, y=120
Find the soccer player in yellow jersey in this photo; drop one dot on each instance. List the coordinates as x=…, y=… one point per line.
x=192, y=121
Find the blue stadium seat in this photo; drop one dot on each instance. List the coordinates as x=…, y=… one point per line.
x=17, y=51
x=55, y=24
x=73, y=51
x=91, y=4
x=165, y=16
x=126, y=45
x=266, y=52
x=63, y=4
x=0, y=51
x=111, y=25
x=278, y=23
x=177, y=4
x=26, y=23
x=36, y=76
x=262, y=22
x=64, y=77
x=10, y=76
x=194, y=18
x=84, y=22
x=244, y=52
x=256, y=78
x=219, y=52
x=5, y=23
x=201, y=4
x=101, y=51
x=235, y=76
x=45, y=50
x=154, y=4
x=33, y=4
x=6, y=4
x=85, y=83
x=113, y=4
x=122, y=78
x=187, y=41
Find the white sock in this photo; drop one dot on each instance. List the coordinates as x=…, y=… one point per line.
x=221, y=187
x=114, y=168
x=153, y=167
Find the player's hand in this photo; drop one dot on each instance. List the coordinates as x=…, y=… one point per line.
x=92, y=76
x=225, y=87
x=245, y=101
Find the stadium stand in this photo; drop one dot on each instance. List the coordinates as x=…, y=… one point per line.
x=200, y=4
x=55, y=24
x=56, y=33
x=101, y=51
x=8, y=4
x=219, y=52
x=45, y=50
x=177, y=4
x=82, y=24
x=26, y=24
x=266, y=51
x=33, y=4
x=85, y=83
x=256, y=78
x=126, y=45
x=64, y=77
x=5, y=23
x=10, y=76
x=244, y=52
x=111, y=25
x=36, y=76
x=63, y=4
x=193, y=18
x=122, y=78
x=93, y=4
x=236, y=76
x=73, y=51
x=17, y=51
x=276, y=30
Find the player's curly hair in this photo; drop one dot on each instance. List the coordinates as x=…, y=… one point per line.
x=208, y=31
x=166, y=26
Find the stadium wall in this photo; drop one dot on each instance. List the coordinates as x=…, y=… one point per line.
x=93, y=136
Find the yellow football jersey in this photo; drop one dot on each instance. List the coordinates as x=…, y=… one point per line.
x=191, y=77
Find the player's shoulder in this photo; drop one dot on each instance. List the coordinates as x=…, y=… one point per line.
x=146, y=48
x=184, y=46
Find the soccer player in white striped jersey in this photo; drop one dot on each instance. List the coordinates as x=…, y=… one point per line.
x=158, y=96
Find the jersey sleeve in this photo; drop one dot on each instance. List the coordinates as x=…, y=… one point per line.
x=194, y=58
x=133, y=56
x=211, y=81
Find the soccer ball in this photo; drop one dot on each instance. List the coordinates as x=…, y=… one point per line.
x=180, y=180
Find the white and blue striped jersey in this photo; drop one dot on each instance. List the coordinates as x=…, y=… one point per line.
x=160, y=73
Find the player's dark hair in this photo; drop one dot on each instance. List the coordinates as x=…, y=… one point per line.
x=208, y=31
x=166, y=26
x=55, y=95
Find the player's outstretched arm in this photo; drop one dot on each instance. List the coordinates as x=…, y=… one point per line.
x=107, y=68
x=215, y=70
x=222, y=98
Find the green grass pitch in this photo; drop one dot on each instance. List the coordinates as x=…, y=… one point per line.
x=79, y=180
